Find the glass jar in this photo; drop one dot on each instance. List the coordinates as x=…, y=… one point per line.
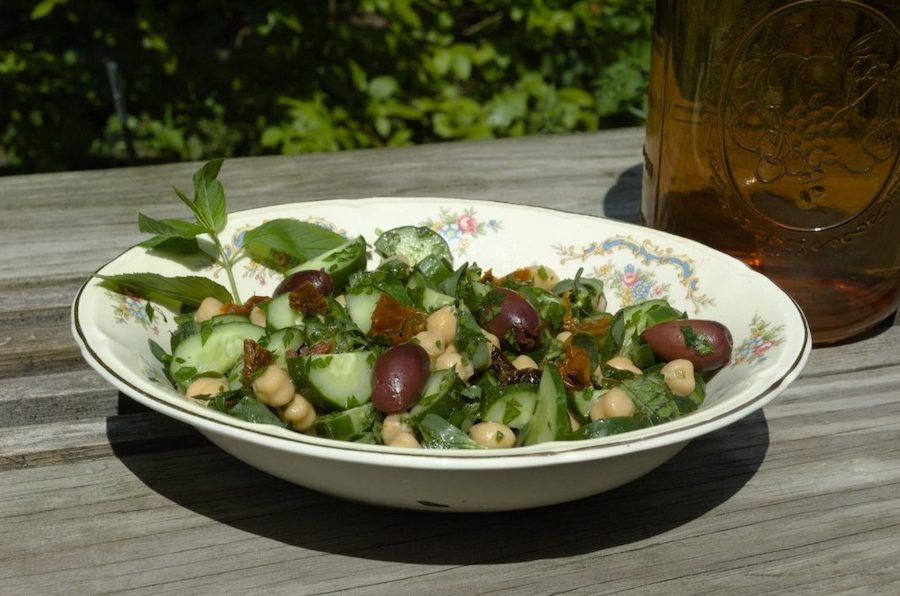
x=773, y=134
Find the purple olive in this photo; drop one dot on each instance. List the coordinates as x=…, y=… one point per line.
x=511, y=318
x=707, y=344
x=398, y=378
x=320, y=280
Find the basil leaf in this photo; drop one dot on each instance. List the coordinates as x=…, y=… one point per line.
x=173, y=292
x=299, y=240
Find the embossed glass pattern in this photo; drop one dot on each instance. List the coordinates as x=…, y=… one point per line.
x=774, y=135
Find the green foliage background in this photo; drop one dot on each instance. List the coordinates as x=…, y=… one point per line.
x=222, y=78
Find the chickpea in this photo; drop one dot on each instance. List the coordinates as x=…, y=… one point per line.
x=258, y=316
x=623, y=363
x=430, y=342
x=452, y=358
x=679, y=376
x=300, y=413
x=206, y=386
x=492, y=435
x=543, y=277
x=442, y=323
x=523, y=361
x=615, y=402
x=392, y=426
x=209, y=308
x=274, y=387
x=406, y=440
x=495, y=341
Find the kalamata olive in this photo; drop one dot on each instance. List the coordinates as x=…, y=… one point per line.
x=320, y=280
x=398, y=377
x=707, y=344
x=511, y=318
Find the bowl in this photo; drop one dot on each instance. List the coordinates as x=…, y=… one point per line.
x=771, y=345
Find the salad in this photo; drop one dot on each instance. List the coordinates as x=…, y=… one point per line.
x=419, y=351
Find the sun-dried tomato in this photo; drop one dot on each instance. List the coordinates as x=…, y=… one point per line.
x=256, y=358
x=488, y=277
x=523, y=275
x=326, y=346
x=575, y=369
x=394, y=321
x=245, y=308
x=507, y=374
x=597, y=327
x=306, y=298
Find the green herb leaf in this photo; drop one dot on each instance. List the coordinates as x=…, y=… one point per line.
x=699, y=342
x=209, y=197
x=299, y=240
x=253, y=411
x=168, y=227
x=159, y=352
x=438, y=433
x=172, y=292
x=190, y=204
x=175, y=245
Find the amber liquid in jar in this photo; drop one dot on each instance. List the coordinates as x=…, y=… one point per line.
x=774, y=135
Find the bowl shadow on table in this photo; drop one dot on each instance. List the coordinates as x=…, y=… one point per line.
x=205, y=480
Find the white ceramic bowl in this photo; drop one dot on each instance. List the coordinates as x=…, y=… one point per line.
x=772, y=343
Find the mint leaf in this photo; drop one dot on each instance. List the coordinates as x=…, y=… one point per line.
x=299, y=241
x=438, y=433
x=169, y=227
x=176, y=245
x=699, y=342
x=209, y=197
x=173, y=292
x=172, y=235
x=250, y=410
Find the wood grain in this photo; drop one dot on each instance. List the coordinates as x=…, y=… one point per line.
x=99, y=494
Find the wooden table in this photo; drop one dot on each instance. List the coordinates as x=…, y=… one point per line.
x=98, y=494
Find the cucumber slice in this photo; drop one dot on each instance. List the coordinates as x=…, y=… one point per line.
x=346, y=425
x=188, y=326
x=334, y=381
x=227, y=318
x=550, y=421
x=279, y=342
x=441, y=395
x=512, y=405
x=340, y=263
x=580, y=401
x=433, y=300
x=216, y=353
x=413, y=242
x=280, y=315
x=360, y=308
